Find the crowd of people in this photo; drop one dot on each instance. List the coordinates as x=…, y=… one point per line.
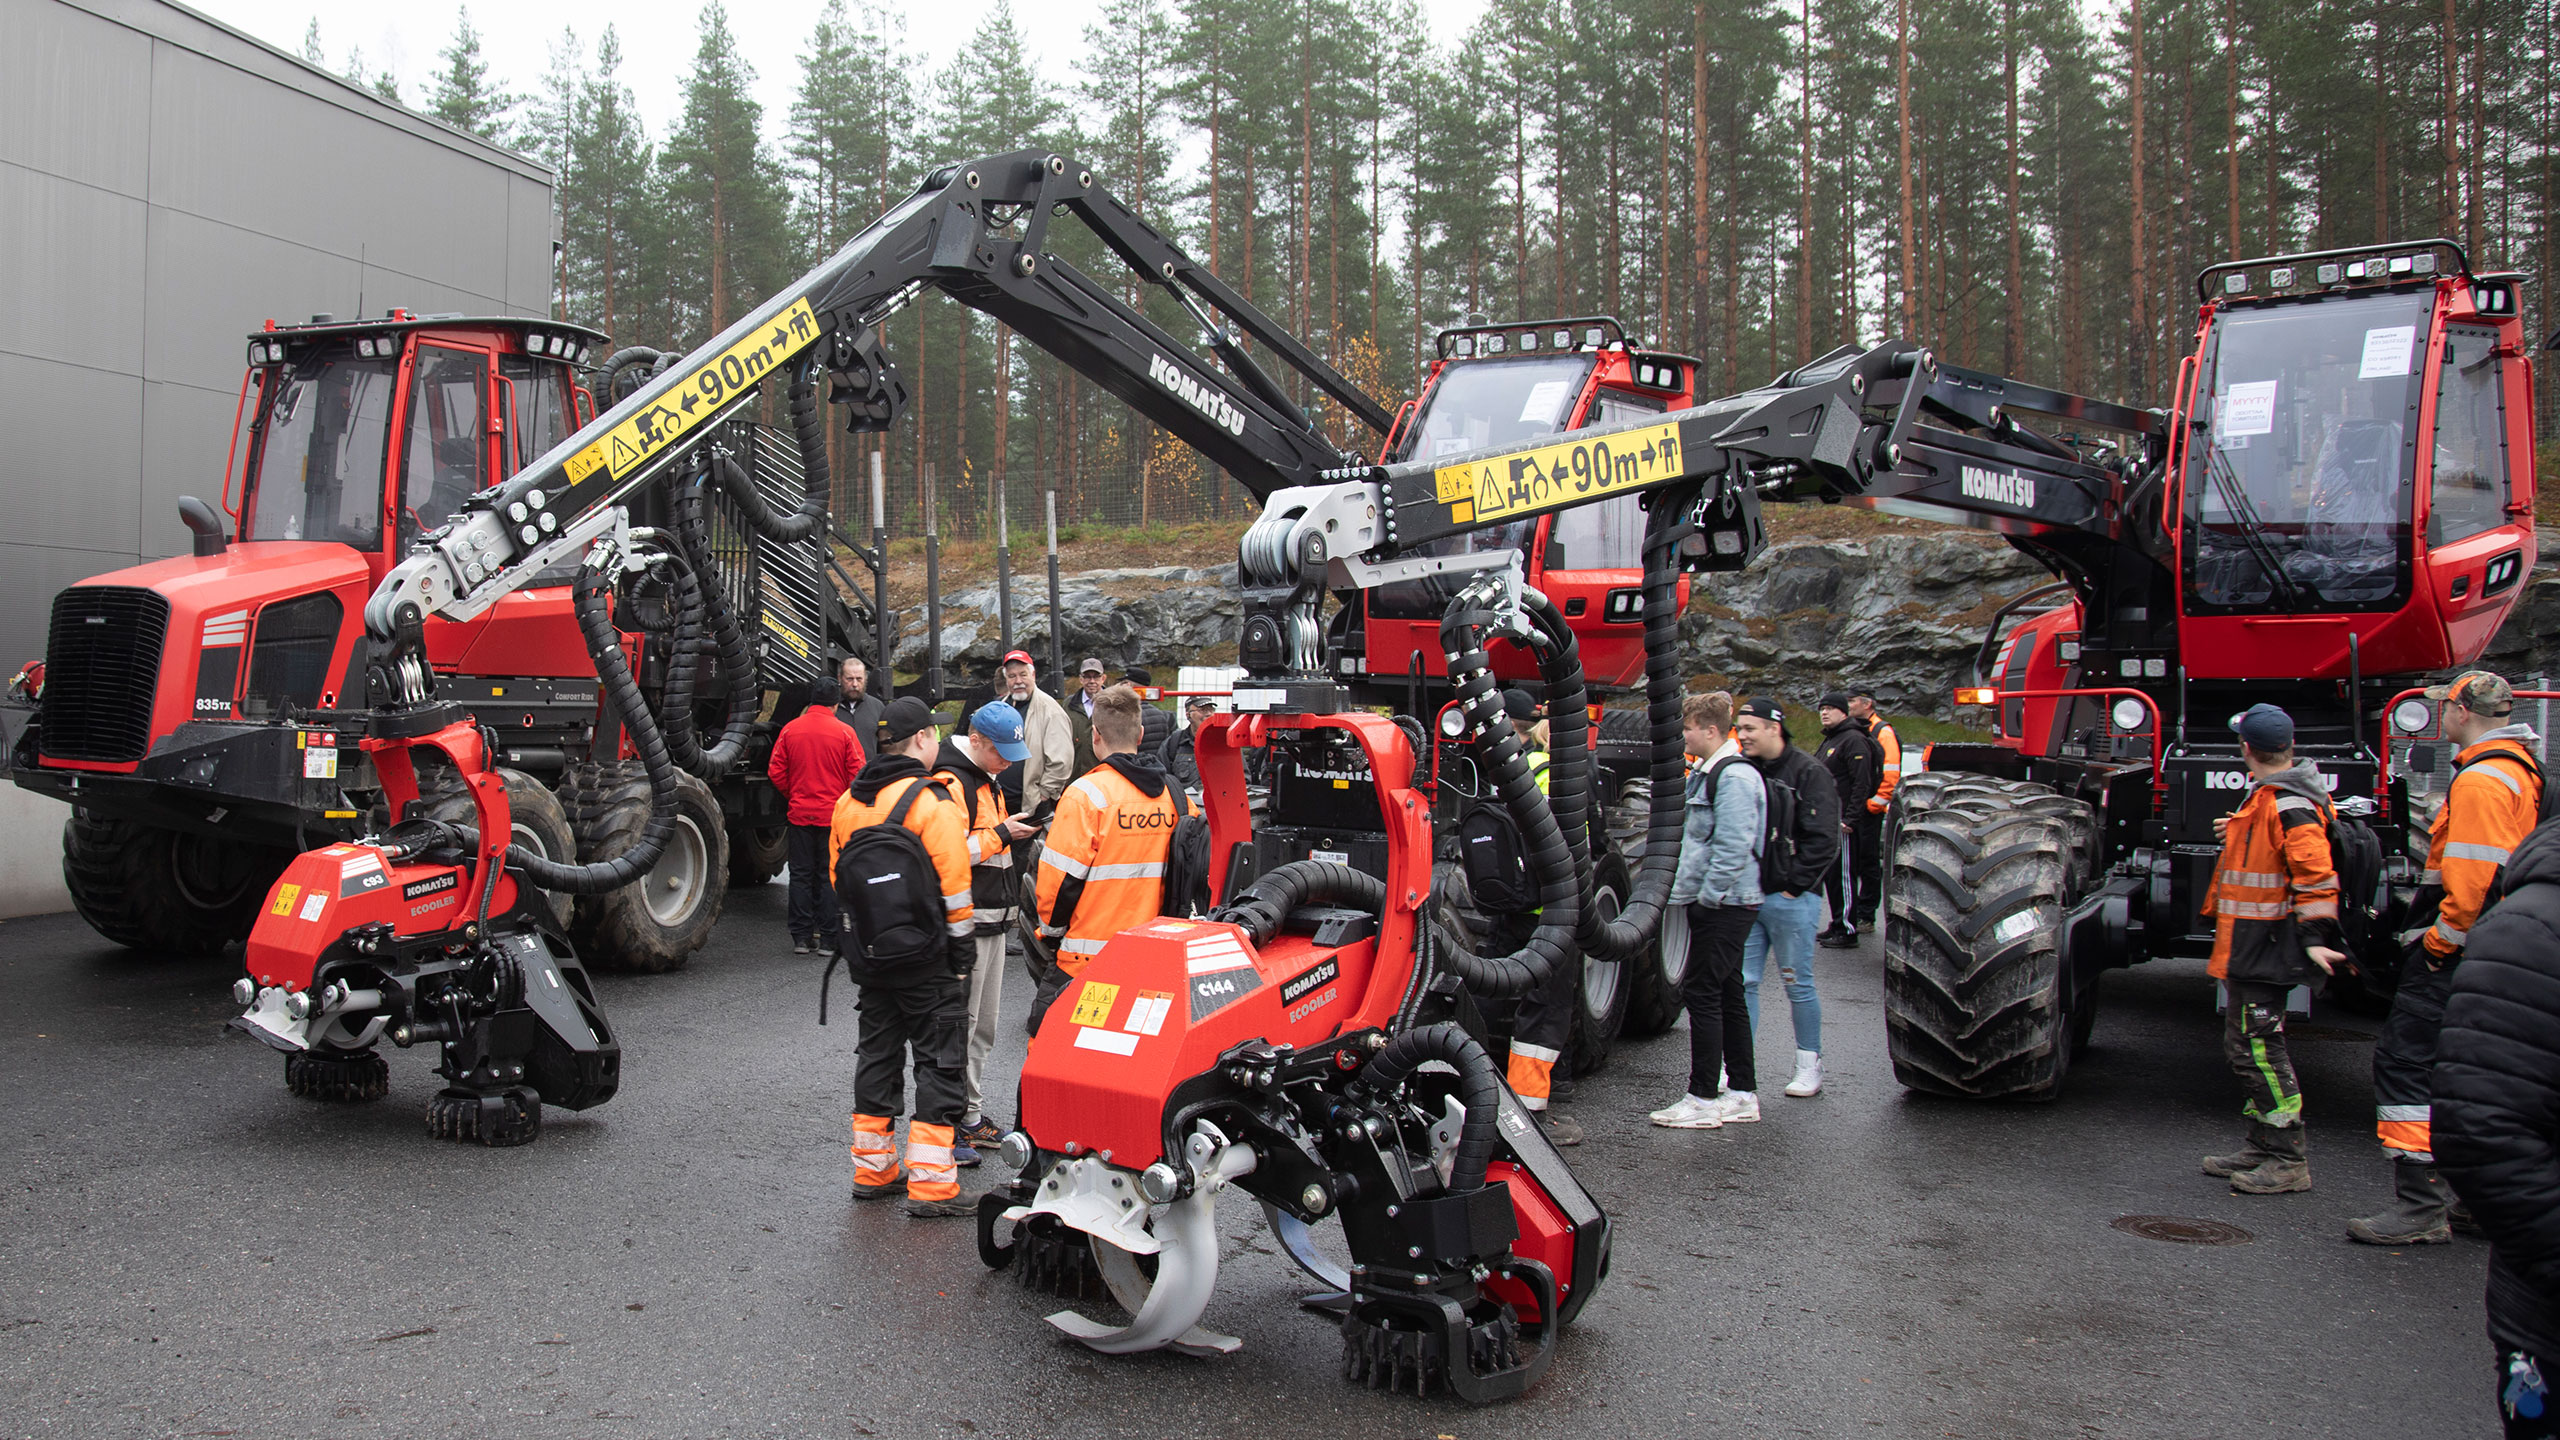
x=1780, y=855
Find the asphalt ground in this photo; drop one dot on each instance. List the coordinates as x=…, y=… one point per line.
x=188, y=1250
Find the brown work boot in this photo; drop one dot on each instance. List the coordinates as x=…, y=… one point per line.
x=2286, y=1169
x=939, y=1209
x=2419, y=1212
x=2247, y=1157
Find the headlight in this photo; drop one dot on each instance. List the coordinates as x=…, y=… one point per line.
x=2412, y=716
x=1453, y=722
x=2130, y=713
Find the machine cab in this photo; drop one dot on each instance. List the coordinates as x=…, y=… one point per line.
x=2355, y=459
x=1504, y=384
x=369, y=434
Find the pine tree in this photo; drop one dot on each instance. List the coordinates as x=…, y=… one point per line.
x=727, y=204
x=607, y=206
x=464, y=96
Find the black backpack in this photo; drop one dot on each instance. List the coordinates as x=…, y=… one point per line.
x=1496, y=862
x=1186, y=860
x=1781, y=828
x=892, y=898
x=2355, y=853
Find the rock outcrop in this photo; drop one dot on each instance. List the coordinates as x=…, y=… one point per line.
x=1902, y=612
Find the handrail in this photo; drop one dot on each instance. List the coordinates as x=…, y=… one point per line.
x=2002, y=697
x=2382, y=774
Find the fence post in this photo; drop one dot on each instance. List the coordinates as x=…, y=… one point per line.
x=1057, y=653
x=884, y=624
x=1004, y=570
x=932, y=596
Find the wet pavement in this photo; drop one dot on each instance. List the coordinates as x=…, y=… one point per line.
x=187, y=1250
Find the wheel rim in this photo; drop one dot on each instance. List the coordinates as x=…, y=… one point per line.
x=1600, y=977
x=209, y=876
x=525, y=835
x=1675, y=946
x=675, y=884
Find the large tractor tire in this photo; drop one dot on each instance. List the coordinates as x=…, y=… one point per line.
x=1654, y=1003
x=757, y=853
x=654, y=924
x=1600, y=1001
x=537, y=821
x=161, y=891
x=1976, y=1003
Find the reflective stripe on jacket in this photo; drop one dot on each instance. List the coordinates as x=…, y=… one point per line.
x=939, y=822
x=1102, y=869
x=2494, y=802
x=1888, y=764
x=2275, y=867
x=992, y=888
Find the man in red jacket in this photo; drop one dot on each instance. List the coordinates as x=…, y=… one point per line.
x=814, y=759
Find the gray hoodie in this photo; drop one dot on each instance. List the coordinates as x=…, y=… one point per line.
x=1721, y=832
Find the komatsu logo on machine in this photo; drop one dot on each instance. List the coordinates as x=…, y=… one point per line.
x=1196, y=395
x=1998, y=486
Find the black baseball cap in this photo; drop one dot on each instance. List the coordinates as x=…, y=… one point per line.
x=905, y=716
x=2263, y=727
x=1762, y=709
x=1519, y=704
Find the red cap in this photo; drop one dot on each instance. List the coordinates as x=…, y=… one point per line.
x=1022, y=655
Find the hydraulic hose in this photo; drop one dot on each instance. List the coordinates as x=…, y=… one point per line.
x=810, y=431
x=1570, y=771
x=699, y=593
x=1479, y=1089
x=630, y=357
x=1550, y=861
x=1261, y=907
x=599, y=877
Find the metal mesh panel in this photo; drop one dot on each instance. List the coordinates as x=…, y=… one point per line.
x=775, y=586
x=102, y=669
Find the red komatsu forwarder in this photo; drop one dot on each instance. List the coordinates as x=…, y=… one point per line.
x=201, y=713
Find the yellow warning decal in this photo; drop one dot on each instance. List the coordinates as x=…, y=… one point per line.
x=1093, y=1006
x=712, y=384
x=1552, y=476
x=285, y=895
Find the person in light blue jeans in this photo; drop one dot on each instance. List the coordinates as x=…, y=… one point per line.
x=1799, y=787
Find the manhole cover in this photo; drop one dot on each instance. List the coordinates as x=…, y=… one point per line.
x=2183, y=1229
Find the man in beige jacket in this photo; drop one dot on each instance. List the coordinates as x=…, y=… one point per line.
x=1045, y=729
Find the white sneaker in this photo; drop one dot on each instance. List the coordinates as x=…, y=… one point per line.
x=1737, y=1107
x=1808, y=1079
x=1689, y=1113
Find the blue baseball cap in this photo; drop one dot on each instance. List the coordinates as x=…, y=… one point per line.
x=1002, y=725
x=2264, y=728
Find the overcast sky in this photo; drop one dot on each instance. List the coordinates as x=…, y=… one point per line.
x=659, y=38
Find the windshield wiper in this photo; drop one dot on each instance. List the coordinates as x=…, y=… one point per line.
x=2252, y=529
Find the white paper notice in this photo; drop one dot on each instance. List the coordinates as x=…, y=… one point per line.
x=2386, y=352
x=2249, y=408
x=1545, y=398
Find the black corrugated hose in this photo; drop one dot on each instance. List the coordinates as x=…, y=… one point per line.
x=1479, y=1089
x=698, y=592
x=1260, y=907
x=1569, y=767
x=598, y=877
x=809, y=429
x=1550, y=861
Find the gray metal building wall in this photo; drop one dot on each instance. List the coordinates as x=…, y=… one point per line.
x=166, y=185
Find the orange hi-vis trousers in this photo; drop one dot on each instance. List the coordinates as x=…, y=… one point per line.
x=931, y=1173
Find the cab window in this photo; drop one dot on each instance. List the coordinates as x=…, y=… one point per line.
x=448, y=451
x=2469, y=491
x=317, y=474
x=1609, y=535
x=537, y=409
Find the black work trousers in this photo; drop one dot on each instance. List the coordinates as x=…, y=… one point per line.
x=932, y=1020
x=2404, y=1056
x=1542, y=1023
x=1719, y=1022
x=816, y=915
x=1863, y=850
x=2253, y=1042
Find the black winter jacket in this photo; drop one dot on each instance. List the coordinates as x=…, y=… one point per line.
x=1856, y=763
x=2496, y=1095
x=1817, y=816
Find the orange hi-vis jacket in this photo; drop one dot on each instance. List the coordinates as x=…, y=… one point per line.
x=937, y=818
x=2275, y=867
x=993, y=891
x=2494, y=802
x=1102, y=870
x=1888, y=767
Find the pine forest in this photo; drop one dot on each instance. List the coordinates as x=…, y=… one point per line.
x=2026, y=185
